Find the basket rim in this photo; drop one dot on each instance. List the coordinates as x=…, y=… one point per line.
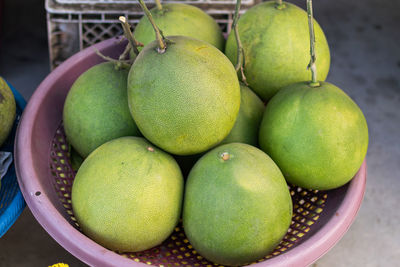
x=95, y=255
x=17, y=205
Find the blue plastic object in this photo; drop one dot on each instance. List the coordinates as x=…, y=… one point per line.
x=12, y=202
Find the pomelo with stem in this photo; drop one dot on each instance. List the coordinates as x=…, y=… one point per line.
x=275, y=44
x=180, y=19
x=315, y=132
x=183, y=93
x=127, y=195
x=237, y=206
x=7, y=110
x=96, y=108
x=250, y=113
x=251, y=109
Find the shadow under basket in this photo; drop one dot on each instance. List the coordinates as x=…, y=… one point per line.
x=320, y=218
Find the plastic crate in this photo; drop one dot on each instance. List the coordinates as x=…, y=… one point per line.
x=11, y=200
x=73, y=25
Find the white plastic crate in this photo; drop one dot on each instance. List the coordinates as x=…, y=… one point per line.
x=76, y=24
x=218, y=2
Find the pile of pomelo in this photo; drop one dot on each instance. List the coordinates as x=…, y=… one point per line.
x=176, y=105
x=7, y=111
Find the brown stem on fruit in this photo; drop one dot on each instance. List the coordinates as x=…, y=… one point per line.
x=162, y=46
x=118, y=63
x=125, y=54
x=129, y=35
x=158, y=4
x=122, y=62
x=240, y=52
x=312, y=66
x=244, y=79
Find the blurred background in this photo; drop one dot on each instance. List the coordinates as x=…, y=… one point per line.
x=364, y=38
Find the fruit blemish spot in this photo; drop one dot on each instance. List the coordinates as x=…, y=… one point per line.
x=150, y=149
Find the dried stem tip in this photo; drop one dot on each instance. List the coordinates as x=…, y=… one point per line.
x=225, y=156
x=279, y=4
x=129, y=35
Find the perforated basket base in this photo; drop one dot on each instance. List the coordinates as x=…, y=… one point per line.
x=308, y=206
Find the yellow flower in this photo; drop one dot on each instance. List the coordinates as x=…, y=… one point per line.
x=59, y=265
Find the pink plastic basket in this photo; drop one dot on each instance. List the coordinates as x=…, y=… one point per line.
x=44, y=173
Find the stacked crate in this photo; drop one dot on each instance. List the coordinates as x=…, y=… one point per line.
x=76, y=24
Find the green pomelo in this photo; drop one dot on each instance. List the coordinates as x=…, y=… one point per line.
x=248, y=121
x=181, y=19
x=237, y=205
x=245, y=130
x=317, y=135
x=127, y=195
x=96, y=109
x=7, y=110
x=185, y=100
x=276, y=44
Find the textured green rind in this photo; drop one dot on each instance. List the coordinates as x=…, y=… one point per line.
x=185, y=100
x=7, y=110
x=317, y=136
x=181, y=19
x=248, y=121
x=126, y=197
x=96, y=109
x=245, y=130
x=276, y=43
x=236, y=211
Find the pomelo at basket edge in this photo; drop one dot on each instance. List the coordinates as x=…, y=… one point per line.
x=7, y=110
x=186, y=99
x=96, y=108
x=276, y=47
x=316, y=135
x=237, y=205
x=181, y=19
x=127, y=195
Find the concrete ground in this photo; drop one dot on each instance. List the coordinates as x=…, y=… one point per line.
x=364, y=38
